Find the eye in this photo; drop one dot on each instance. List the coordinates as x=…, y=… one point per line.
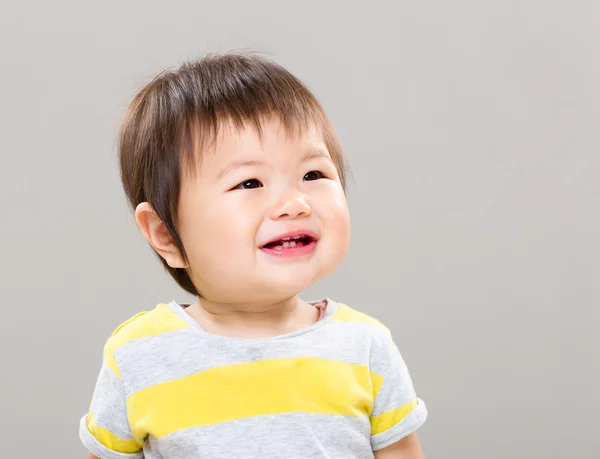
x=313, y=175
x=248, y=185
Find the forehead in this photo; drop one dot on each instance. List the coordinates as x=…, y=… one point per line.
x=270, y=138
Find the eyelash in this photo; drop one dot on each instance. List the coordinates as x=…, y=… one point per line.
x=320, y=175
x=241, y=186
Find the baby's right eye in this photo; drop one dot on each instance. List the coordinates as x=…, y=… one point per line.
x=248, y=185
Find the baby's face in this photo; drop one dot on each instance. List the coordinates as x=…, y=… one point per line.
x=262, y=220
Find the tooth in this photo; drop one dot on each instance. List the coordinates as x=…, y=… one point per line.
x=286, y=244
x=278, y=248
x=286, y=239
x=293, y=244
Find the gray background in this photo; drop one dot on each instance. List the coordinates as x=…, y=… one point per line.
x=472, y=129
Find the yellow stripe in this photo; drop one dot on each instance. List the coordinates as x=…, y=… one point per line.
x=347, y=314
x=376, y=381
x=110, y=440
x=385, y=421
x=306, y=384
x=111, y=362
x=161, y=320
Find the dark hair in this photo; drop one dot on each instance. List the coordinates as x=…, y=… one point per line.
x=180, y=112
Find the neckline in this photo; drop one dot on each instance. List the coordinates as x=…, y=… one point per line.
x=331, y=308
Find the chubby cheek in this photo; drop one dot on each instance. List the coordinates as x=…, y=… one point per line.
x=222, y=236
x=336, y=219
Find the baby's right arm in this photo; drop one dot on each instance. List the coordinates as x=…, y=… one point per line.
x=105, y=428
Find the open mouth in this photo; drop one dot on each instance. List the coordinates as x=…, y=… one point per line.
x=297, y=244
x=289, y=242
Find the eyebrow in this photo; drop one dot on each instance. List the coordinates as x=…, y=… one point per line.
x=239, y=165
x=250, y=163
x=317, y=154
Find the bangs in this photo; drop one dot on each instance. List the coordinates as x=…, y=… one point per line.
x=247, y=95
x=201, y=133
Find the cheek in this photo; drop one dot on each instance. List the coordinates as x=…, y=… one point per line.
x=222, y=231
x=335, y=215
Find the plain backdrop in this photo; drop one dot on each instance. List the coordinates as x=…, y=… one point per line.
x=472, y=128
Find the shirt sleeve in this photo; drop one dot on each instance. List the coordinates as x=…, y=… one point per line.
x=397, y=411
x=104, y=429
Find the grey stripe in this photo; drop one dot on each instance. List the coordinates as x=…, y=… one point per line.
x=109, y=406
x=156, y=359
x=289, y=435
x=397, y=388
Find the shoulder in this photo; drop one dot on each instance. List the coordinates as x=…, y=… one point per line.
x=144, y=324
x=346, y=313
x=362, y=323
x=384, y=355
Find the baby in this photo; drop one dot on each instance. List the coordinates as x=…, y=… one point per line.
x=238, y=182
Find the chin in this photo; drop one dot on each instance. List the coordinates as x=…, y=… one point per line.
x=290, y=277
x=290, y=284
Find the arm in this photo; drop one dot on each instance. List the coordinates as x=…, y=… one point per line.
x=397, y=412
x=105, y=430
x=407, y=448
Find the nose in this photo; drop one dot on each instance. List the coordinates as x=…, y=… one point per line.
x=291, y=206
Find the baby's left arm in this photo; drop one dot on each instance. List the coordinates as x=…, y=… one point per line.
x=408, y=447
x=397, y=412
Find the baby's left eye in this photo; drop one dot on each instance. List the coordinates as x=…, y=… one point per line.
x=313, y=175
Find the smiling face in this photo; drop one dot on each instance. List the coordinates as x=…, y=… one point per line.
x=264, y=217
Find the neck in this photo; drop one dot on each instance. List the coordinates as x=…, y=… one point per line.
x=233, y=312
x=253, y=320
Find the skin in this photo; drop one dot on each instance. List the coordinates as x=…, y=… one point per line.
x=407, y=448
x=247, y=191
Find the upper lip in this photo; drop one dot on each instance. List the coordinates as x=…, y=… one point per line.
x=293, y=234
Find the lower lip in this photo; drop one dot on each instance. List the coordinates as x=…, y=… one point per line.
x=291, y=252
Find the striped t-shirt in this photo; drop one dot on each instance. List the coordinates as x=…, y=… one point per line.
x=168, y=389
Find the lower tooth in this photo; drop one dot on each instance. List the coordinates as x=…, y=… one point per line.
x=293, y=244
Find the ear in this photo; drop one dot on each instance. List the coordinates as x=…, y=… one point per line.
x=158, y=235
